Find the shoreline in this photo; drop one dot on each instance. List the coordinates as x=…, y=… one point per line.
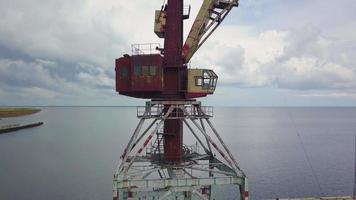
x=17, y=112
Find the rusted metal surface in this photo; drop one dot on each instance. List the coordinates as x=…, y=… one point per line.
x=139, y=76
x=171, y=77
x=174, y=74
x=173, y=136
x=154, y=109
x=147, y=171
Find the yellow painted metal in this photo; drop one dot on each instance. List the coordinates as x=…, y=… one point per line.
x=160, y=23
x=210, y=15
x=193, y=74
x=195, y=34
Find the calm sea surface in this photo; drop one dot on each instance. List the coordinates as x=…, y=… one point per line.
x=74, y=154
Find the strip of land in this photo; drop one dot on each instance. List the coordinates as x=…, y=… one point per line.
x=17, y=112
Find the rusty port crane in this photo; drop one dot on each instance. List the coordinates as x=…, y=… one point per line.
x=156, y=164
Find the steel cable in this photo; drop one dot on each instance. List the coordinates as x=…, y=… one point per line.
x=316, y=179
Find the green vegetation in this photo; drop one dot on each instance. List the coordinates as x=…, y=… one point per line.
x=17, y=112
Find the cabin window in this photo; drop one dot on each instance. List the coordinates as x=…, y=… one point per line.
x=145, y=70
x=214, y=82
x=153, y=70
x=207, y=81
x=137, y=70
x=124, y=72
x=198, y=81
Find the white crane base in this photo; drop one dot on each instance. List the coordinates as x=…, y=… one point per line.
x=144, y=174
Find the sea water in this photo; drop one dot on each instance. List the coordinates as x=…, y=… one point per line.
x=286, y=152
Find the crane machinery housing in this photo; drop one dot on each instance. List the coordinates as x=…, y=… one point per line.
x=156, y=164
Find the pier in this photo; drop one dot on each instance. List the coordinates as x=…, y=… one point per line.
x=16, y=127
x=320, y=198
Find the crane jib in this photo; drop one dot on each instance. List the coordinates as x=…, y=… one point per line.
x=210, y=15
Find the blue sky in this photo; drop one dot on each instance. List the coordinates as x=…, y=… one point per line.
x=266, y=53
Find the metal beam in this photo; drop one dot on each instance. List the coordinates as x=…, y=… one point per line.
x=212, y=142
x=129, y=146
x=177, y=182
x=196, y=136
x=225, y=147
x=144, y=145
x=144, y=133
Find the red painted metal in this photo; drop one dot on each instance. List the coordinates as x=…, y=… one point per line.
x=174, y=70
x=123, y=84
x=173, y=139
x=185, y=50
x=175, y=74
x=246, y=194
x=169, y=82
x=139, y=76
x=129, y=194
x=195, y=95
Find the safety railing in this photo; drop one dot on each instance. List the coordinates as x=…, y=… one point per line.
x=186, y=11
x=180, y=110
x=145, y=48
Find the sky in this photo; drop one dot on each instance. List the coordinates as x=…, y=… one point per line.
x=266, y=52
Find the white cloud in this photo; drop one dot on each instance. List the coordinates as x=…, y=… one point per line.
x=39, y=93
x=20, y=73
x=330, y=95
x=79, y=30
x=22, y=82
x=66, y=49
x=312, y=73
x=300, y=59
x=99, y=80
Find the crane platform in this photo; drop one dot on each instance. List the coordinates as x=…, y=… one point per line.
x=206, y=164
